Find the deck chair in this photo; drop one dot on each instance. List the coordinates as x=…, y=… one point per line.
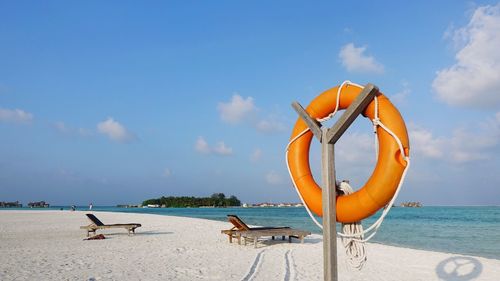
x=240, y=225
x=97, y=224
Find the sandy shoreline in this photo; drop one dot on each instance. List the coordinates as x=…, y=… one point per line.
x=48, y=245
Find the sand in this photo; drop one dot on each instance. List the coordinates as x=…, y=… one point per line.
x=48, y=245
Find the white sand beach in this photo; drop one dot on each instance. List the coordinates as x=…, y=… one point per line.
x=49, y=245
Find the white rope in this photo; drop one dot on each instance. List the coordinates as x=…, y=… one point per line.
x=295, y=185
x=354, y=248
x=375, y=123
x=353, y=233
x=339, y=90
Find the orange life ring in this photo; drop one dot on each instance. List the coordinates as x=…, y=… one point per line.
x=391, y=163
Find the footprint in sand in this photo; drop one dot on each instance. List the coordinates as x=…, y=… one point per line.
x=254, y=268
x=289, y=267
x=180, y=250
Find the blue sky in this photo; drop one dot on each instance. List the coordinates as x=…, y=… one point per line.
x=119, y=101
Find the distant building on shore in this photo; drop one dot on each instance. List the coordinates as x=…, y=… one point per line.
x=11, y=204
x=267, y=204
x=411, y=204
x=152, y=206
x=128, y=206
x=40, y=204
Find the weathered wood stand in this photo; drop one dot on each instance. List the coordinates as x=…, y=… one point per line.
x=328, y=137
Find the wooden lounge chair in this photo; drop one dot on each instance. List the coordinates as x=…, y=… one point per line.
x=241, y=229
x=97, y=224
x=241, y=225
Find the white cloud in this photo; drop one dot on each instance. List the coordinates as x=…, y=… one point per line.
x=166, y=173
x=256, y=155
x=424, y=143
x=270, y=126
x=237, y=109
x=63, y=128
x=114, y=130
x=274, y=178
x=15, y=115
x=474, y=80
x=401, y=96
x=464, y=145
x=347, y=30
x=354, y=60
x=202, y=146
x=467, y=146
x=222, y=149
x=243, y=110
x=356, y=148
x=84, y=132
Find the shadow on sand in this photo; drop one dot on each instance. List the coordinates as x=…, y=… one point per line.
x=116, y=235
x=313, y=240
x=141, y=233
x=459, y=269
x=264, y=242
x=153, y=232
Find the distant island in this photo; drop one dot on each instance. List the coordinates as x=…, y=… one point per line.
x=11, y=204
x=40, y=204
x=216, y=200
x=411, y=204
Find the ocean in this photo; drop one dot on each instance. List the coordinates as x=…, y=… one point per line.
x=460, y=230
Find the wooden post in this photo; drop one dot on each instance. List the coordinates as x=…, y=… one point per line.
x=328, y=137
x=329, y=209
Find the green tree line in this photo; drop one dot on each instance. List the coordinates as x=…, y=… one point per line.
x=216, y=200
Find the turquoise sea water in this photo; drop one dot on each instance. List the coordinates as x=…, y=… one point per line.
x=462, y=230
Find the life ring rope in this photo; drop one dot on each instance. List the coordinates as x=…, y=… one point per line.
x=376, y=123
